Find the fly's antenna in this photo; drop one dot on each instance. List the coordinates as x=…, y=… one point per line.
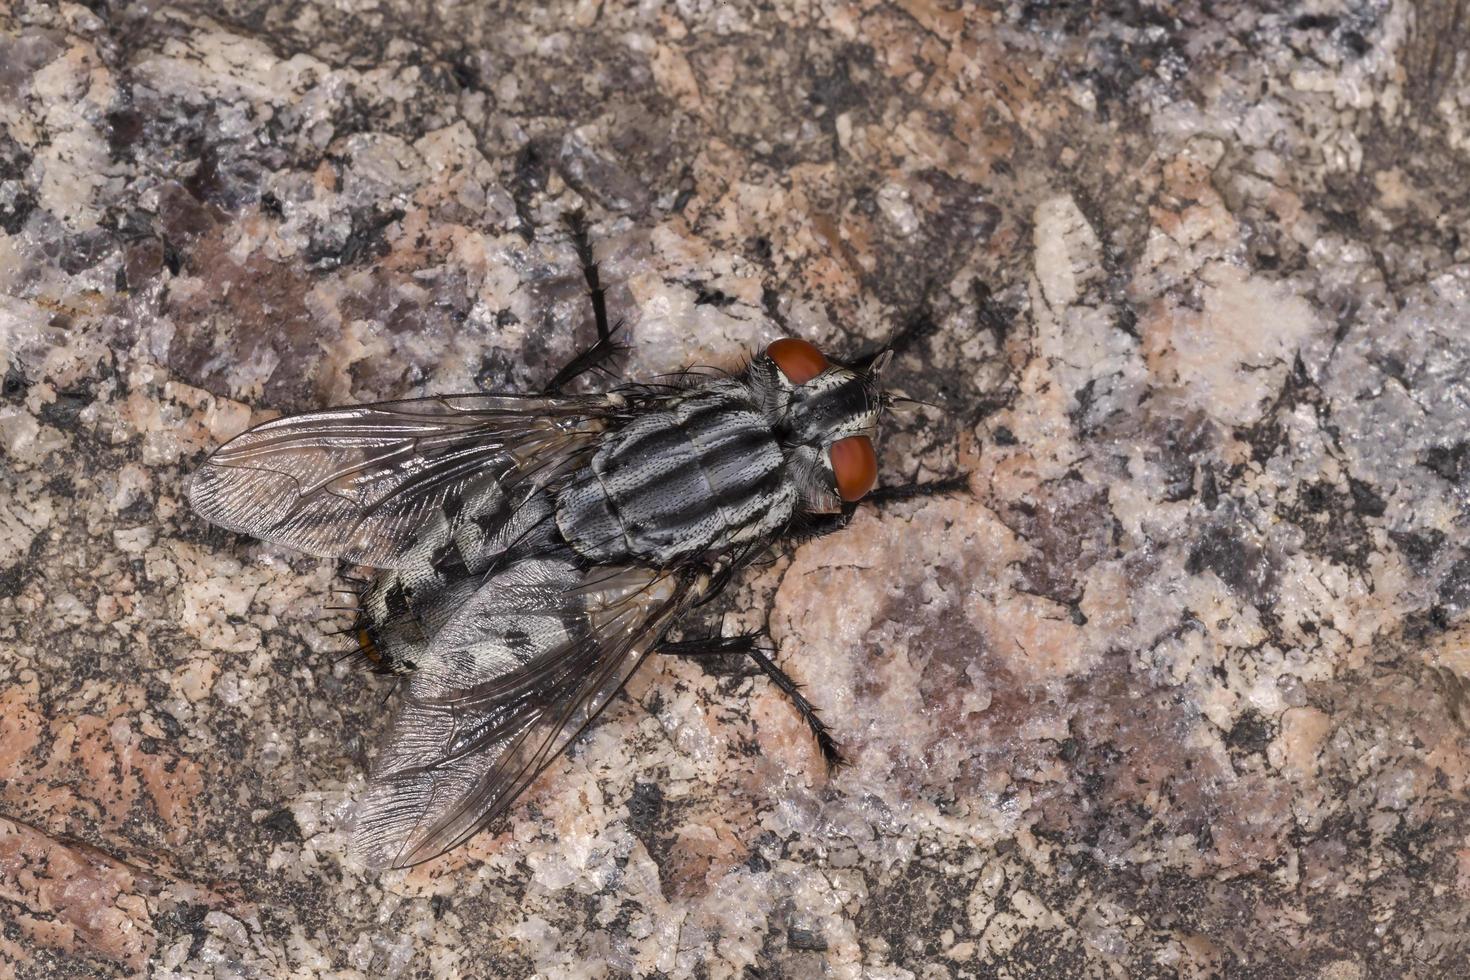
x=903, y=403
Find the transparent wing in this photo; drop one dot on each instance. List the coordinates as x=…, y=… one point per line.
x=355, y=483
x=511, y=680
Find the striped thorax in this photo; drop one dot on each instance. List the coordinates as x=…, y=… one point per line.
x=727, y=463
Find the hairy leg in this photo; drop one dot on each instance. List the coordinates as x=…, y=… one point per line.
x=606, y=347
x=820, y=525
x=749, y=645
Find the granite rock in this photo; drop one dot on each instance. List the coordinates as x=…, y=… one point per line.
x=1177, y=688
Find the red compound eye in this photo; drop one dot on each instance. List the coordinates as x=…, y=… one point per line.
x=855, y=465
x=797, y=359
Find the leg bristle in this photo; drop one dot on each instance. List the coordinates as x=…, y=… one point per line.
x=594, y=358
x=933, y=488
x=748, y=644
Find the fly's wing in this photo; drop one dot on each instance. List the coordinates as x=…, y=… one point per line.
x=510, y=680
x=355, y=483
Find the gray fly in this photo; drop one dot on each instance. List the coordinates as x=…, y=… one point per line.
x=534, y=549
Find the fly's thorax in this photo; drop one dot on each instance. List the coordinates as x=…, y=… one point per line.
x=702, y=473
x=730, y=462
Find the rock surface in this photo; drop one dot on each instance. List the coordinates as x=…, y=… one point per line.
x=1179, y=688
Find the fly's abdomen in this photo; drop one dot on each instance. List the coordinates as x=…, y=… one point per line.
x=407, y=606
x=701, y=475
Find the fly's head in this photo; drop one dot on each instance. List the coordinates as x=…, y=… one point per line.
x=826, y=415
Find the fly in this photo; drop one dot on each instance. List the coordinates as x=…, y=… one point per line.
x=532, y=550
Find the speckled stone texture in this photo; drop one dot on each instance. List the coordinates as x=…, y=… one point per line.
x=1178, y=689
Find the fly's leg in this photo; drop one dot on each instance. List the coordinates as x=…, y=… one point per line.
x=606, y=347
x=915, y=329
x=820, y=525
x=748, y=645
x=583, y=243
x=908, y=491
x=910, y=332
